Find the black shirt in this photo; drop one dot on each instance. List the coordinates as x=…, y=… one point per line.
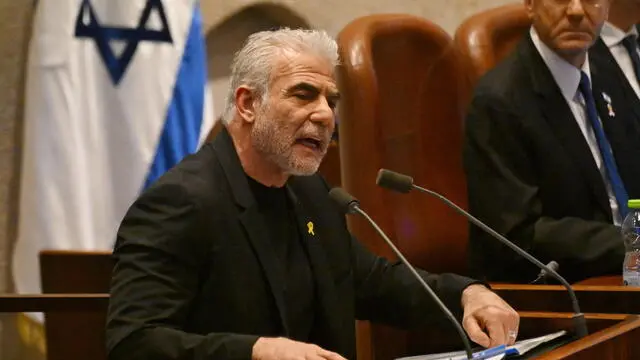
x=276, y=208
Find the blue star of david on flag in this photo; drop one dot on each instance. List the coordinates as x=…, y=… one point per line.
x=89, y=26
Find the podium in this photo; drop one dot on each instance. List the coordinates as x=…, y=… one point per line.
x=618, y=341
x=611, y=336
x=77, y=320
x=544, y=309
x=554, y=298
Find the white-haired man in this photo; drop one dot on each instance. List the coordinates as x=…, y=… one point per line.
x=551, y=150
x=239, y=253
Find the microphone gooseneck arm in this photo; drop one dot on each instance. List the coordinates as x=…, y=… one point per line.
x=459, y=329
x=578, y=317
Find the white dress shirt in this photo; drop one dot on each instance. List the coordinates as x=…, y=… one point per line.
x=612, y=37
x=567, y=78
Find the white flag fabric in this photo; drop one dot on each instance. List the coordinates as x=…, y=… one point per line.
x=115, y=96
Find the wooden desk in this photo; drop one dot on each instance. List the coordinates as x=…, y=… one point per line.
x=619, y=341
x=389, y=343
x=535, y=323
x=602, y=280
x=80, y=329
x=612, y=335
x=17, y=303
x=555, y=298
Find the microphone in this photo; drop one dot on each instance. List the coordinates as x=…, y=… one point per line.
x=350, y=205
x=404, y=183
x=543, y=275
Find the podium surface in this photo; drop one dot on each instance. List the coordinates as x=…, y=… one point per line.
x=555, y=298
x=611, y=336
x=619, y=341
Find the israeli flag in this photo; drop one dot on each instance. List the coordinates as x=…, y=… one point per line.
x=116, y=94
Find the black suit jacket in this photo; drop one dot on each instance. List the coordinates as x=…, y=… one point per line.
x=623, y=131
x=532, y=177
x=601, y=55
x=196, y=278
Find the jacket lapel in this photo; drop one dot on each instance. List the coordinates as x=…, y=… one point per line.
x=564, y=125
x=257, y=231
x=561, y=119
x=602, y=59
x=312, y=238
x=252, y=221
x=620, y=124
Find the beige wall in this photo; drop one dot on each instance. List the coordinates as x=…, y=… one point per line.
x=14, y=19
x=331, y=15
x=225, y=32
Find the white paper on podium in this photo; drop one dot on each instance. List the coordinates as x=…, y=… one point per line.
x=519, y=348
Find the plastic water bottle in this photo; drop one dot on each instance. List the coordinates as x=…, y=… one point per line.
x=631, y=236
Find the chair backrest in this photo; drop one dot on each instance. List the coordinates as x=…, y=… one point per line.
x=401, y=82
x=403, y=88
x=76, y=335
x=487, y=37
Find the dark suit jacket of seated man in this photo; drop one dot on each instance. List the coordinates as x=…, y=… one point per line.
x=531, y=173
x=617, y=50
x=216, y=262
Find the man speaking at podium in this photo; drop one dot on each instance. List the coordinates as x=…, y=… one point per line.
x=239, y=253
x=551, y=151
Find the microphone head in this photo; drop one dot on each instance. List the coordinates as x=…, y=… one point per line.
x=553, y=265
x=394, y=181
x=346, y=202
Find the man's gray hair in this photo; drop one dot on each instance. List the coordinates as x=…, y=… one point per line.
x=252, y=65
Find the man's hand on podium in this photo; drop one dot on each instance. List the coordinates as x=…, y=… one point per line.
x=286, y=349
x=488, y=320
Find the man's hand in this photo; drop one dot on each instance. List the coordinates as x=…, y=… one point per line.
x=488, y=320
x=285, y=349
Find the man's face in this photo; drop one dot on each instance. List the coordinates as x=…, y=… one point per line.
x=569, y=27
x=294, y=123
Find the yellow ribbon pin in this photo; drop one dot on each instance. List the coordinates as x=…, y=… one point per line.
x=310, y=228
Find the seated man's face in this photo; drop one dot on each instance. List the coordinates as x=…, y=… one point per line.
x=294, y=124
x=568, y=26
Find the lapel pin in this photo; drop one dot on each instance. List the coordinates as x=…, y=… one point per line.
x=310, y=228
x=607, y=98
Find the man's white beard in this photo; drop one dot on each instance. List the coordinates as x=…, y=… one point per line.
x=265, y=139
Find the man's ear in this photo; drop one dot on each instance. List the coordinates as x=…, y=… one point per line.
x=246, y=103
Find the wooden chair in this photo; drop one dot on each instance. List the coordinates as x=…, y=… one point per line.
x=487, y=37
x=78, y=334
x=401, y=83
x=403, y=88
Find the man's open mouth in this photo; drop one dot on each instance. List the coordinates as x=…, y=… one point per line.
x=310, y=142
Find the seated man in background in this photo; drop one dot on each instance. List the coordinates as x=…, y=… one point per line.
x=551, y=152
x=239, y=253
